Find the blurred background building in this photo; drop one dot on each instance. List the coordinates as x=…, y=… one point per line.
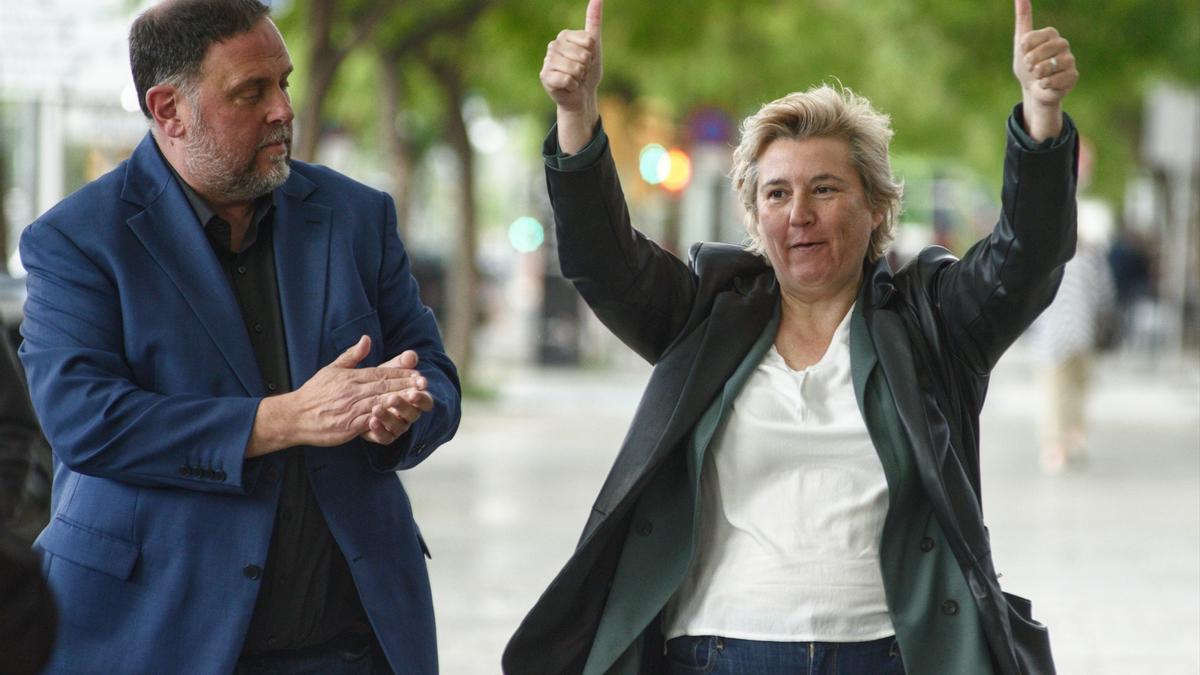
x=439, y=104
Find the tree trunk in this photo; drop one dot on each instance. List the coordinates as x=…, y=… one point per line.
x=324, y=59
x=463, y=287
x=308, y=119
x=394, y=138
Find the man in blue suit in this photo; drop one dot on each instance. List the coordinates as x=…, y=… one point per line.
x=228, y=354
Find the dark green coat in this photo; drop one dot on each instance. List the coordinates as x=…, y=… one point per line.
x=936, y=622
x=923, y=343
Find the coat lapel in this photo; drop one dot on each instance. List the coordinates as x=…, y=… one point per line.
x=692, y=375
x=737, y=321
x=862, y=356
x=930, y=442
x=169, y=230
x=302, y=240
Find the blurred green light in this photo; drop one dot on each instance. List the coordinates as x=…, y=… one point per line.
x=653, y=163
x=526, y=234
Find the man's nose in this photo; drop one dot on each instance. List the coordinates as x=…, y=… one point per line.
x=280, y=111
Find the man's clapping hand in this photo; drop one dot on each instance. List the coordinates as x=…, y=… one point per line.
x=341, y=402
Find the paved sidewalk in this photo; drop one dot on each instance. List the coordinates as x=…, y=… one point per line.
x=1110, y=553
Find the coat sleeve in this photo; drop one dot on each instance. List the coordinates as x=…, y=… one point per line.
x=1006, y=279
x=640, y=291
x=408, y=324
x=97, y=420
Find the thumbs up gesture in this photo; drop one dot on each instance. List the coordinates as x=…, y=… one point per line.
x=1045, y=67
x=571, y=75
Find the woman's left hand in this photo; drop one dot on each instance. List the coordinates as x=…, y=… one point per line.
x=1045, y=67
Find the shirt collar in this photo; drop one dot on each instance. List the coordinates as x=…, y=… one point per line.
x=206, y=215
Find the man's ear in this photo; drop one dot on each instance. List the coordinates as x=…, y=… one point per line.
x=167, y=106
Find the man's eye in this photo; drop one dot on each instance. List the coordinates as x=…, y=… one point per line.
x=775, y=194
x=824, y=189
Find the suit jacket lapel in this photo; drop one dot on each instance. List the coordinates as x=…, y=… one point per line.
x=169, y=230
x=302, y=240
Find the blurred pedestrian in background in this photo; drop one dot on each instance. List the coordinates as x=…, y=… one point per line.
x=1133, y=280
x=1066, y=338
x=799, y=490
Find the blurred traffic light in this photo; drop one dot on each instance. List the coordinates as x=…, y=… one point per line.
x=672, y=169
x=526, y=234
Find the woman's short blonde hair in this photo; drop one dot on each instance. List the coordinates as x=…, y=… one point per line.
x=827, y=112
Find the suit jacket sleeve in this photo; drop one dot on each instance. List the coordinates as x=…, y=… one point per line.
x=96, y=419
x=640, y=291
x=408, y=324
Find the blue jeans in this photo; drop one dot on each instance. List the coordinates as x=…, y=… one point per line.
x=342, y=656
x=689, y=654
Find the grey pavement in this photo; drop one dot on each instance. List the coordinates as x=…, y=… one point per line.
x=1109, y=551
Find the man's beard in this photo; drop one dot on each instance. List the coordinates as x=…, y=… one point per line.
x=227, y=179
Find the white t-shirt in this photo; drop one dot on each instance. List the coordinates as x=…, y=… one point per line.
x=793, y=499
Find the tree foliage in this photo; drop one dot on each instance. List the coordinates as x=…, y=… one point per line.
x=940, y=68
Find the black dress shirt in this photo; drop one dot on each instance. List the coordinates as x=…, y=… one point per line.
x=307, y=596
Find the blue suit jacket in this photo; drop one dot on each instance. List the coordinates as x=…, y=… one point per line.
x=147, y=386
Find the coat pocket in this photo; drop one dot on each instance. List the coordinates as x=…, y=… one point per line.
x=89, y=548
x=1031, y=639
x=348, y=333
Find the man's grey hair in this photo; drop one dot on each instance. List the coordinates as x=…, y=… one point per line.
x=167, y=43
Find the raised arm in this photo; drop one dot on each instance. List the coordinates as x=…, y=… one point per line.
x=640, y=291
x=988, y=298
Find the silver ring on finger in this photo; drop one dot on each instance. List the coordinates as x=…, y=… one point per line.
x=1053, y=65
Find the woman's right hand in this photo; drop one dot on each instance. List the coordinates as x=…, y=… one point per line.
x=1045, y=67
x=571, y=76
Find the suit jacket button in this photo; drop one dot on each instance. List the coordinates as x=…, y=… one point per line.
x=272, y=474
x=949, y=608
x=252, y=571
x=219, y=475
x=185, y=471
x=927, y=544
x=644, y=527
